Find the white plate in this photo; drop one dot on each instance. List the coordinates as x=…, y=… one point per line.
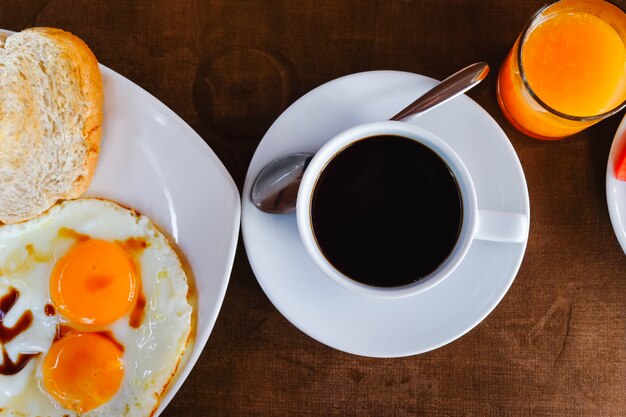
x=360, y=324
x=616, y=189
x=153, y=161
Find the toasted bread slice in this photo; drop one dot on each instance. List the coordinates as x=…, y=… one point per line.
x=50, y=120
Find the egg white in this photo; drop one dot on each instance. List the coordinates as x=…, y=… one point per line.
x=152, y=352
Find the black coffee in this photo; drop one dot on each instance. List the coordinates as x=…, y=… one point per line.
x=386, y=211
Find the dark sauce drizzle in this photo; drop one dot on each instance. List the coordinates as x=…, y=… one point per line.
x=138, y=312
x=108, y=335
x=8, y=367
x=49, y=310
x=63, y=330
x=135, y=246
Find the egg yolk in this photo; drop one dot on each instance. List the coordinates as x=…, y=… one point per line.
x=83, y=371
x=94, y=283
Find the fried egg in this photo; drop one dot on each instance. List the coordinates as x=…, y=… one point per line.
x=94, y=312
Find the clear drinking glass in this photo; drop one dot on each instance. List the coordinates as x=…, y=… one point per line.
x=567, y=69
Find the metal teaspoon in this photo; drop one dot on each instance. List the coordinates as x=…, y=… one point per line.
x=275, y=189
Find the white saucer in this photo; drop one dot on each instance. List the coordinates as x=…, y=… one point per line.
x=360, y=324
x=616, y=189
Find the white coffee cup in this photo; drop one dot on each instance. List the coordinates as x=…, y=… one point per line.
x=477, y=224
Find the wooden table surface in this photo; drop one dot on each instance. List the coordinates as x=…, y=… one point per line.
x=554, y=346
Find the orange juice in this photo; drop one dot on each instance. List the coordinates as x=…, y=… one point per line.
x=572, y=72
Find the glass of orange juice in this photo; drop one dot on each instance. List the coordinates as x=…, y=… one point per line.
x=567, y=69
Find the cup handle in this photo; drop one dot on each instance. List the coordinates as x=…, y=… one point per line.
x=501, y=226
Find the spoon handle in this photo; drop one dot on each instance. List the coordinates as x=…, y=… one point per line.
x=456, y=84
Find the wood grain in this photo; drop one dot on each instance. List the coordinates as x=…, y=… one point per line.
x=555, y=346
